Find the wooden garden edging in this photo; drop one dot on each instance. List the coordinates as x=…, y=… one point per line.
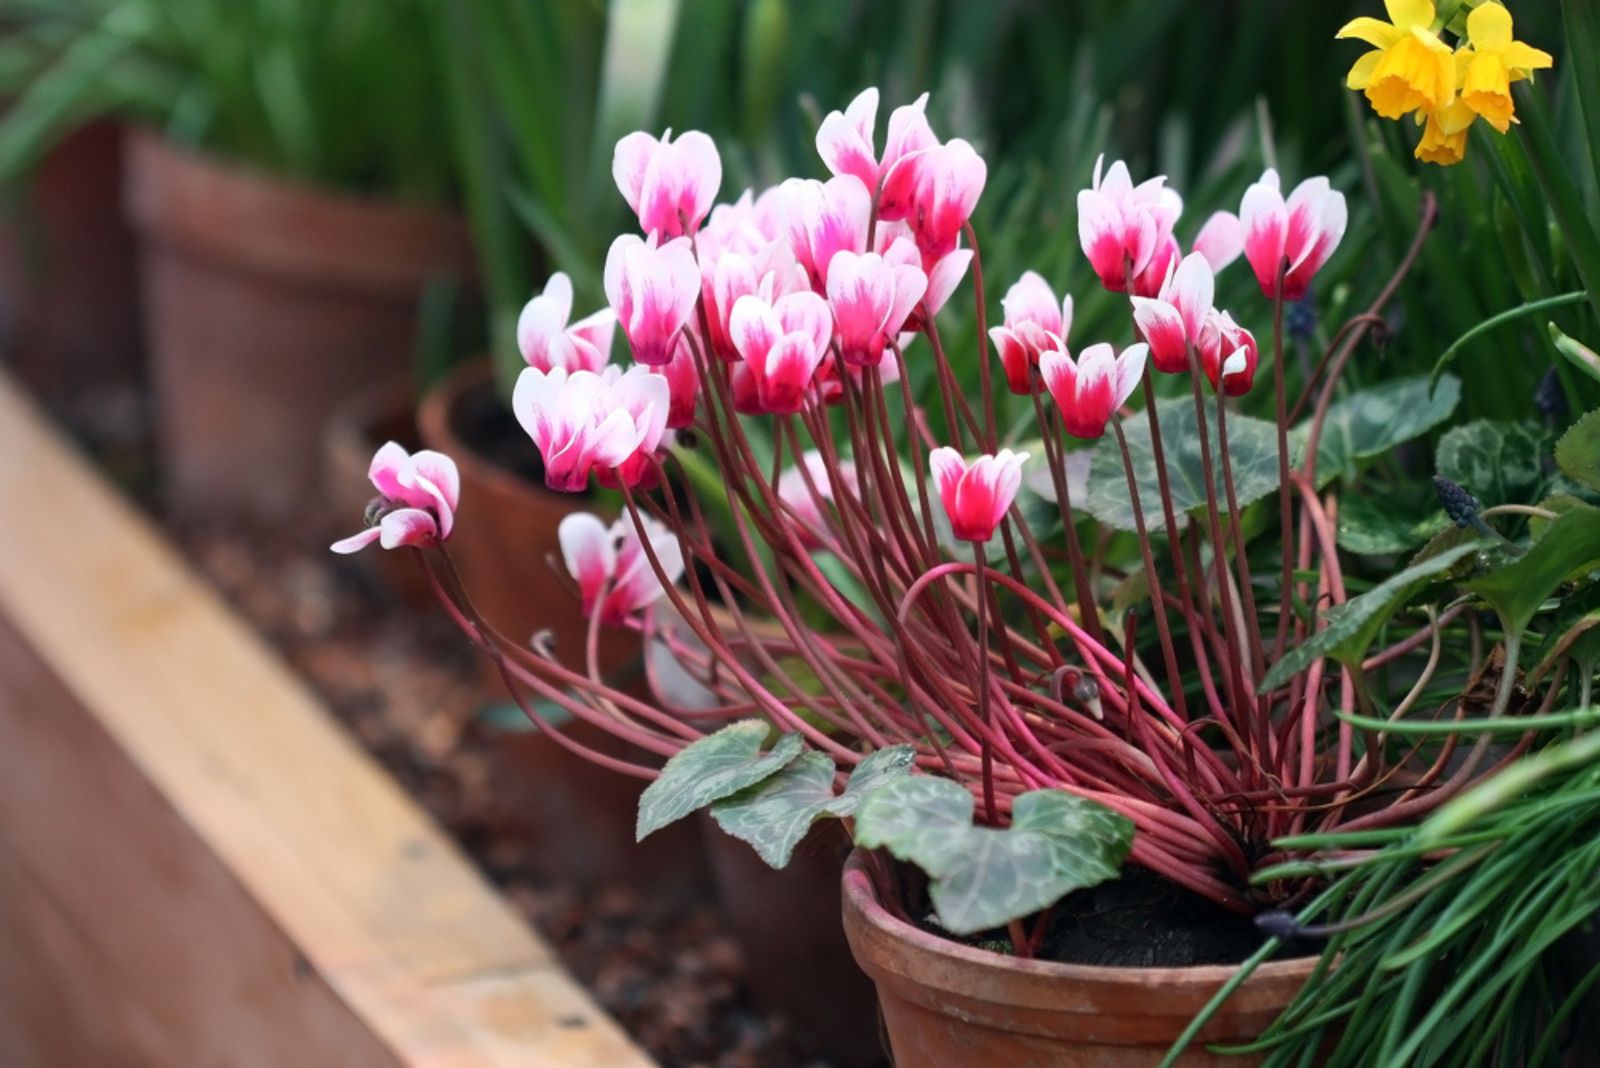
x=197, y=865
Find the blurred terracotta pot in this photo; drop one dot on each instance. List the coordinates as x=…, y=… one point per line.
x=797, y=961
x=69, y=296
x=265, y=304
x=363, y=421
x=946, y=1003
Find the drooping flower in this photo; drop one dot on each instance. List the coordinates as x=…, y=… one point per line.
x=1172, y=321
x=897, y=245
x=1220, y=240
x=1497, y=61
x=546, y=340
x=949, y=180
x=653, y=291
x=1122, y=226
x=612, y=569
x=1089, y=390
x=781, y=345
x=805, y=498
x=845, y=143
x=976, y=496
x=417, y=503
x=582, y=420
x=1228, y=354
x=1444, y=134
x=823, y=219
x=1295, y=237
x=870, y=299
x=1033, y=323
x=669, y=184
x=1410, y=68
x=683, y=380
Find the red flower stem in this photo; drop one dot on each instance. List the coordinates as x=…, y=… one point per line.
x=950, y=389
x=1055, y=453
x=983, y=676
x=1252, y=618
x=1285, y=491
x=985, y=372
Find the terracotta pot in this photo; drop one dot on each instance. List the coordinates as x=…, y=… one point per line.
x=363, y=421
x=797, y=960
x=69, y=299
x=506, y=531
x=575, y=820
x=266, y=303
x=950, y=1004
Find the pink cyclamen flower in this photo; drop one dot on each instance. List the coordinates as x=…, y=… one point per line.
x=845, y=143
x=1122, y=227
x=669, y=184
x=546, y=340
x=1034, y=324
x=1220, y=240
x=976, y=496
x=612, y=569
x=683, y=382
x=870, y=299
x=653, y=291
x=781, y=344
x=1228, y=353
x=1294, y=237
x=1172, y=321
x=803, y=492
x=823, y=219
x=418, y=504
x=949, y=180
x=582, y=420
x=1091, y=389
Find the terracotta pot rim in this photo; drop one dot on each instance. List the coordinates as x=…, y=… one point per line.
x=292, y=230
x=860, y=897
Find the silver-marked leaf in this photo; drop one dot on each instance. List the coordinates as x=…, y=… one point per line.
x=1373, y=421
x=1351, y=627
x=716, y=766
x=1380, y=526
x=1252, y=450
x=1578, y=451
x=984, y=877
x=774, y=816
x=1496, y=461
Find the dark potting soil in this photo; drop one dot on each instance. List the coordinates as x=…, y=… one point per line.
x=486, y=425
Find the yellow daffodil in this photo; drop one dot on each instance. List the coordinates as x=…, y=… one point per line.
x=1496, y=62
x=1410, y=67
x=1444, y=135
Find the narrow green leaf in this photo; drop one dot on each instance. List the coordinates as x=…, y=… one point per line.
x=1517, y=589
x=715, y=767
x=1494, y=322
x=1578, y=354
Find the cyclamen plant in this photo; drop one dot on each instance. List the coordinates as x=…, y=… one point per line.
x=965, y=686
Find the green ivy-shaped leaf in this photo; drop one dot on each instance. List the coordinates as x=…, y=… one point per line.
x=1497, y=461
x=1517, y=589
x=716, y=766
x=1352, y=626
x=984, y=877
x=774, y=815
x=1373, y=421
x=1252, y=450
x=1384, y=526
x=1578, y=451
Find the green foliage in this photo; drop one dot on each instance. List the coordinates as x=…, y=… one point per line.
x=1497, y=462
x=1517, y=589
x=717, y=766
x=1578, y=451
x=984, y=877
x=773, y=816
x=1374, y=420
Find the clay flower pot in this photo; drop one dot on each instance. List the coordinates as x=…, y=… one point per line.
x=946, y=1003
x=69, y=301
x=265, y=304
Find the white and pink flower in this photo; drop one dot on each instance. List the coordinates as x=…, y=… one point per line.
x=1122, y=227
x=612, y=568
x=546, y=339
x=417, y=506
x=804, y=492
x=949, y=180
x=1228, y=355
x=871, y=299
x=670, y=185
x=1034, y=323
x=582, y=421
x=823, y=219
x=1293, y=237
x=781, y=345
x=1090, y=389
x=845, y=143
x=976, y=496
x=653, y=290
x=1172, y=320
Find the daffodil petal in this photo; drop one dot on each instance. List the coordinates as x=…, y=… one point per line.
x=1361, y=72
x=1489, y=27
x=1408, y=13
x=1521, y=58
x=1375, y=32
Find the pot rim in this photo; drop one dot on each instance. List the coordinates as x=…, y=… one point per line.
x=933, y=956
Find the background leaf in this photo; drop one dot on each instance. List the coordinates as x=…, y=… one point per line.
x=1497, y=462
x=1375, y=420
x=1517, y=589
x=716, y=766
x=1578, y=451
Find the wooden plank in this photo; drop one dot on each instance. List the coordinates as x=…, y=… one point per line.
x=403, y=932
